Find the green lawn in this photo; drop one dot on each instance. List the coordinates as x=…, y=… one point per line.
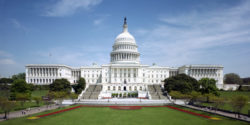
x=231, y=94
x=39, y=93
x=107, y=116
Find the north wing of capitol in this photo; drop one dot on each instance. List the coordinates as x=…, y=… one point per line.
x=123, y=74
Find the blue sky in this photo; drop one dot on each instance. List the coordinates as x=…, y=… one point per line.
x=168, y=33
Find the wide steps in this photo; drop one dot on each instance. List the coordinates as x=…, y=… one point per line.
x=156, y=92
x=92, y=92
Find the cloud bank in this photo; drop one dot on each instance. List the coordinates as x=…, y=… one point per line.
x=185, y=38
x=68, y=7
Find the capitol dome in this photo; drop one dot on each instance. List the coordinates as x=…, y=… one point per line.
x=125, y=48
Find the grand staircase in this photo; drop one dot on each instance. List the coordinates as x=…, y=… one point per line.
x=92, y=92
x=156, y=92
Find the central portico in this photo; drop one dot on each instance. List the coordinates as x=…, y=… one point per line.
x=124, y=68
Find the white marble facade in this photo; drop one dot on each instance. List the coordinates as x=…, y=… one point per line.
x=123, y=73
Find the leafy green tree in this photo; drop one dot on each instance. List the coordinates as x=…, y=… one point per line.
x=194, y=96
x=6, y=80
x=246, y=81
x=6, y=106
x=80, y=86
x=5, y=87
x=37, y=100
x=208, y=86
x=60, y=85
x=238, y=103
x=218, y=102
x=179, y=95
x=232, y=78
x=58, y=95
x=182, y=82
x=19, y=76
x=19, y=86
x=73, y=96
x=22, y=97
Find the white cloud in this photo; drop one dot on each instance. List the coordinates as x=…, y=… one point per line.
x=18, y=25
x=182, y=39
x=98, y=21
x=68, y=7
x=4, y=54
x=7, y=62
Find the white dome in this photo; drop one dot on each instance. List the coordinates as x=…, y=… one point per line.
x=125, y=48
x=125, y=37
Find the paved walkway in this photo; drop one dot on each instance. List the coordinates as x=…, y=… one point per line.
x=226, y=114
x=28, y=111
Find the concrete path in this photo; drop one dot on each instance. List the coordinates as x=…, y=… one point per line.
x=28, y=111
x=226, y=114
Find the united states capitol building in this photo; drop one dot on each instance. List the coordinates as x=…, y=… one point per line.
x=124, y=73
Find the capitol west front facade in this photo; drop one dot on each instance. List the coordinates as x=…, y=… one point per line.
x=123, y=74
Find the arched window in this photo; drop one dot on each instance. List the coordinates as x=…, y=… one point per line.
x=135, y=88
x=119, y=88
x=130, y=88
x=108, y=87
x=114, y=88
x=140, y=88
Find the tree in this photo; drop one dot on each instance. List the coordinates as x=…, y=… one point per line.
x=60, y=85
x=5, y=87
x=246, y=81
x=19, y=86
x=182, y=82
x=59, y=95
x=218, y=102
x=6, y=80
x=73, y=96
x=37, y=100
x=19, y=76
x=80, y=86
x=22, y=97
x=6, y=106
x=208, y=86
x=232, y=78
x=238, y=103
x=194, y=96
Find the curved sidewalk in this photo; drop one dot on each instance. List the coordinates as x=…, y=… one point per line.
x=28, y=111
x=226, y=114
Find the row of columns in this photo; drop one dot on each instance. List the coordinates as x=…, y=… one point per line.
x=212, y=72
x=42, y=71
x=76, y=73
x=124, y=72
x=124, y=56
x=41, y=81
x=124, y=47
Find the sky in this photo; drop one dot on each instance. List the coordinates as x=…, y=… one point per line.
x=168, y=32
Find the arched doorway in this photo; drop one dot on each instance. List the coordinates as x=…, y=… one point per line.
x=124, y=88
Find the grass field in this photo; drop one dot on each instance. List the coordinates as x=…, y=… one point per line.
x=107, y=116
x=39, y=93
x=231, y=94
